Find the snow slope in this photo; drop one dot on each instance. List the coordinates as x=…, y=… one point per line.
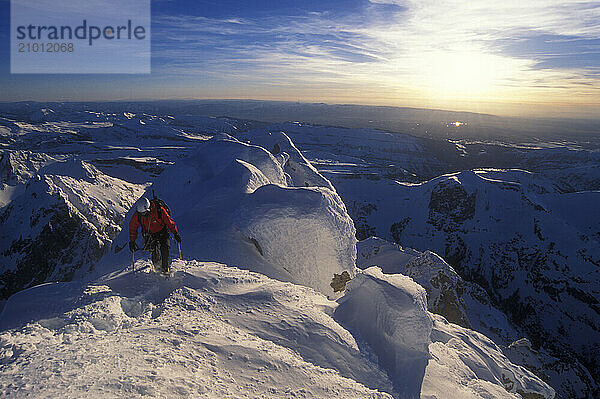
x=269, y=210
x=69, y=173
x=220, y=332
x=210, y=331
x=234, y=203
x=515, y=234
x=59, y=224
x=468, y=305
x=19, y=166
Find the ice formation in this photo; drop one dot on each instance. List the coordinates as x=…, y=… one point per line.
x=233, y=203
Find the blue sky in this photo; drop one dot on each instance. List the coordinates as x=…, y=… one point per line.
x=511, y=57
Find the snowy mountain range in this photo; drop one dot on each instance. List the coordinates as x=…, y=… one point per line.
x=498, y=298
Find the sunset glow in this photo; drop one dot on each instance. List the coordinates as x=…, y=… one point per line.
x=510, y=57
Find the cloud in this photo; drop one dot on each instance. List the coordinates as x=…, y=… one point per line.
x=410, y=52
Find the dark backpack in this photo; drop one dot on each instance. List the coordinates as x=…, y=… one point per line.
x=158, y=203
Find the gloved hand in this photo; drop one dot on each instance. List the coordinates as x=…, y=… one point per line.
x=177, y=237
x=133, y=246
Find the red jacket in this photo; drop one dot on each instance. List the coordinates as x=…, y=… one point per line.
x=154, y=221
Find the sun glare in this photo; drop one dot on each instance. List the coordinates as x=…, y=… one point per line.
x=465, y=74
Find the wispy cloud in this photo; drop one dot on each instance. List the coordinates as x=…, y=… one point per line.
x=486, y=50
x=397, y=52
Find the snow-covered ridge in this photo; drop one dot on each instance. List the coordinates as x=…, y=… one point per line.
x=216, y=331
x=531, y=246
x=469, y=305
x=19, y=166
x=59, y=224
x=269, y=210
x=234, y=203
x=219, y=331
x=211, y=331
x=69, y=174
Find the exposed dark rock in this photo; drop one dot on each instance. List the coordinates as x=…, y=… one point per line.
x=450, y=202
x=50, y=254
x=338, y=282
x=397, y=228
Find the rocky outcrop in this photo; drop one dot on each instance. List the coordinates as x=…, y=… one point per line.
x=62, y=222
x=17, y=167
x=468, y=305
x=450, y=204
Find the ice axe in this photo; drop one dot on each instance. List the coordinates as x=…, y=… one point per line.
x=179, y=247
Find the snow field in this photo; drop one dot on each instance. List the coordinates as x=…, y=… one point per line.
x=390, y=314
x=234, y=204
x=211, y=331
x=214, y=330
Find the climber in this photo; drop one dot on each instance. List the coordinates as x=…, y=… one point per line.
x=155, y=220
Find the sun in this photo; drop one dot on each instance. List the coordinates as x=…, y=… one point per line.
x=465, y=74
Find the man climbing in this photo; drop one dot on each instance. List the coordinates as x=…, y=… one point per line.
x=155, y=222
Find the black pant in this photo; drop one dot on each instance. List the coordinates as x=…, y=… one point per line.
x=159, y=245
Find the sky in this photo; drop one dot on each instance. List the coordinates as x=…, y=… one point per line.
x=510, y=57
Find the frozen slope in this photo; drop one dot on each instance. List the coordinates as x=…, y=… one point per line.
x=59, y=224
x=467, y=304
x=219, y=331
x=512, y=232
x=211, y=331
x=234, y=203
x=215, y=331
